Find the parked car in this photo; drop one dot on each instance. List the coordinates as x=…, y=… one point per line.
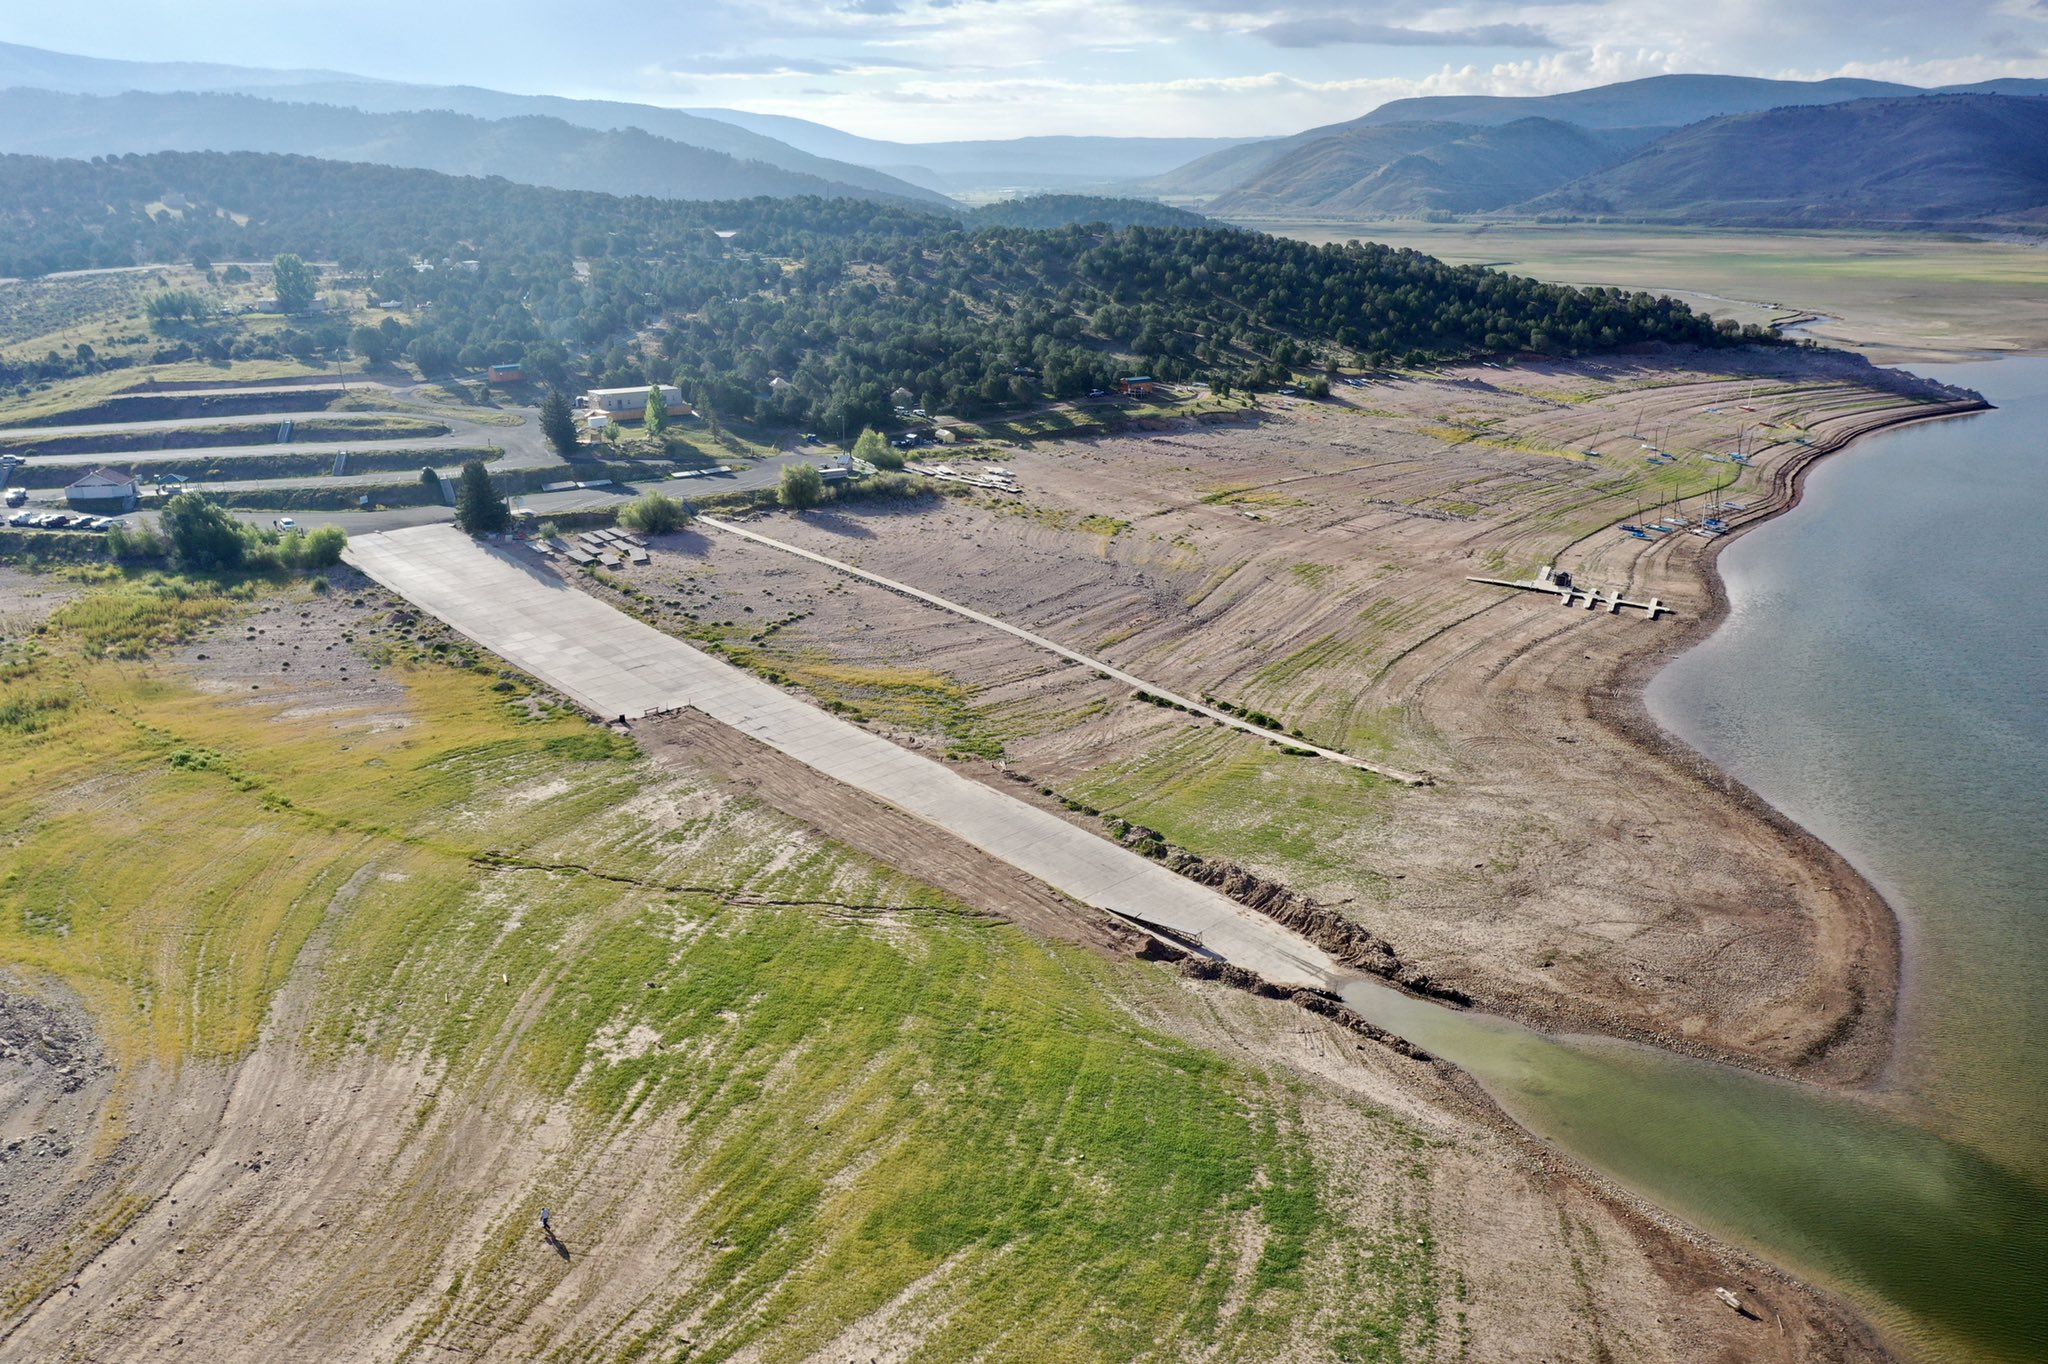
x=22, y=518
x=16, y=496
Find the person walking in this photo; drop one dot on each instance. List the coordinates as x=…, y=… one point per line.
x=547, y=1226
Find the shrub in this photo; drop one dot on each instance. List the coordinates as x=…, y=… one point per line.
x=202, y=535
x=654, y=513
x=802, y=486
x=137, y=543
x=877, y=451
x=312, y=549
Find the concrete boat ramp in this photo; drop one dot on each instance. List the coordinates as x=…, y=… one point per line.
x=614, y=665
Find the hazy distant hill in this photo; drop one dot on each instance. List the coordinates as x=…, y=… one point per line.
x=46, y=70
x=1655, y=101
x=1930, y=160
x=677, y=125
x=533, y=151
x=1050, y=162
x=1067, y=210
x=1406, y=169
x=43, y=70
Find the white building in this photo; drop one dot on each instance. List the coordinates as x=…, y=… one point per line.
x=633, y=401
x=102, y=489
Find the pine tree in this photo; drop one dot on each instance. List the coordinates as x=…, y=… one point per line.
x=558, y=424
x=478, y=507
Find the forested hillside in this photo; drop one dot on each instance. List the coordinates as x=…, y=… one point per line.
x=1066, y=210
x=844, y=300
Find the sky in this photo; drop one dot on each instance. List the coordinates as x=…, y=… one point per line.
x=933, y=70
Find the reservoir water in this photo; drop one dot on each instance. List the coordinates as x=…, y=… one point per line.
x=1882, y=677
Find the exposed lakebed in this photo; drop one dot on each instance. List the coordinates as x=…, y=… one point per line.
x=1880, y=679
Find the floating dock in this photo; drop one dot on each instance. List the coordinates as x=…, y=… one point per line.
x=1560, y=585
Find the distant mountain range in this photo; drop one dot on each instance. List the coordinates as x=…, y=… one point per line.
x=929, y=171
x=530, y=150
x=1670, y=148
x=1925, y=162
x=1669, y=101
x=1685, y=148
x=34, y=68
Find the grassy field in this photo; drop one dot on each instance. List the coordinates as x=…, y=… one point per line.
x=1224, y=792
x=1894, y=291
x=869, y=1090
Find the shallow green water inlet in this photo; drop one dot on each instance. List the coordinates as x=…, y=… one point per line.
x=1945, y=1249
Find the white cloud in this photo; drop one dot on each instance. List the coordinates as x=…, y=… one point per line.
x=934, y=69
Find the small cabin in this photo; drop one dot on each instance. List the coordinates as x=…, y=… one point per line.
x=1136, y=385
x=507, y=374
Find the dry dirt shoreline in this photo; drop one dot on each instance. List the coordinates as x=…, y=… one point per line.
x=1866, y=1038
x=1858, y=1047
x=1575, y=867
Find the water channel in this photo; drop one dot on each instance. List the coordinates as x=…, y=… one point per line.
x=1883, y=678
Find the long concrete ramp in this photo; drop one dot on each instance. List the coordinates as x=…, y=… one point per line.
x=615, y=665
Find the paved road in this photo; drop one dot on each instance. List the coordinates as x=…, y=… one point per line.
x=1086, y=660
x=615, y=665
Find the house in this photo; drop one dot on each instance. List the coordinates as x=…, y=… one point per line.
x=103, y=490
x=902, y=397
x=506, y=374
x=1135, y=386
x=621, y=401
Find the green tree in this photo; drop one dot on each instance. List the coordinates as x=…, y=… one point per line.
x=373, y=344
x=202, y=535
x=319, y=548
x=655, y=513
x=657, y=411
x=479, y=508
x=802, y=486
x=558, y=424
x=874, y=447
x=293, y=280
